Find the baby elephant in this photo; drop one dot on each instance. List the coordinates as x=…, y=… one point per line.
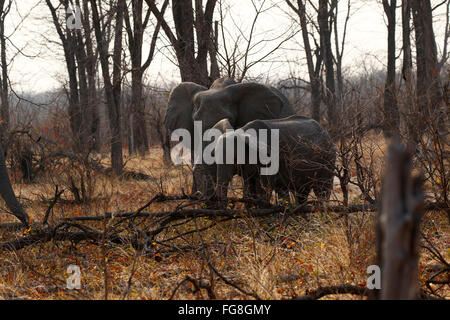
x=293, y=154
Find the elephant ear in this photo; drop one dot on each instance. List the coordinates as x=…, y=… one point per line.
x=254, y=101
x=213, y=105
x=287, y=108
x=180, y=106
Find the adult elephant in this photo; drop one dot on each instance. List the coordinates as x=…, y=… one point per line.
x=306, y=158
x=237, y=102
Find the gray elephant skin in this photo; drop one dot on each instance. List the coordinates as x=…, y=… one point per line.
x=306, y=161
x=240, y=103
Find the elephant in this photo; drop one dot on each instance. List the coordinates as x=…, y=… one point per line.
x=306, y=160
x=237, y=102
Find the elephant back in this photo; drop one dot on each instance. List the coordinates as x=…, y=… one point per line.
x=301, y=136
x=309, y=137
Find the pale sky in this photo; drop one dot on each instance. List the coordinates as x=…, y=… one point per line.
x=42, y=66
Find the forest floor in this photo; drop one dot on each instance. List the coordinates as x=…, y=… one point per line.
x=259, y=256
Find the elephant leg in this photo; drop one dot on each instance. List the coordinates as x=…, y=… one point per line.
x=252, y=186
x=254, y=191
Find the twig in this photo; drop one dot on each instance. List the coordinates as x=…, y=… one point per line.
x=198, y=284
x=52, y=204
x=228, y=282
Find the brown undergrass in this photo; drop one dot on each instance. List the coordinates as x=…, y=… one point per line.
x=303, y=253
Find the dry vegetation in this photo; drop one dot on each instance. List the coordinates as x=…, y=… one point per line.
x=235, y=257
x=131, y=225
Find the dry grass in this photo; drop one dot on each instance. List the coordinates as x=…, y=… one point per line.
x=324, y=249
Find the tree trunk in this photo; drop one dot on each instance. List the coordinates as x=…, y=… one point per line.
x=429, y=95
x=409, y=108
x=406, y=36
x=340, y=52
x=193, y=64
x=112, y=89
x=85, y=116
x=75, y=57
x=327, y=55
x=391, y=122
x=313, y=71
x=7, y=192
x=398, y=227
x=138, y=130
x=74, y=98
x=214, y=45
x=4, y=111
x=92, y=106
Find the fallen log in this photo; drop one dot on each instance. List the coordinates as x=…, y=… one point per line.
x=253, y=212
x=52, y=234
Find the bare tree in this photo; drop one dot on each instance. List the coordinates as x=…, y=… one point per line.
x=78, y=54
x=428, y=88
x=407, y=67
x=391, y=123
x=4, y=111
x=191, y=46
x=339, y=49
x=91, y=71
x=240, y=50
x=313, y=68
x=325, y=30
x=6, y=190
x=112, y=84
x=406, y=38
x=135, y=31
